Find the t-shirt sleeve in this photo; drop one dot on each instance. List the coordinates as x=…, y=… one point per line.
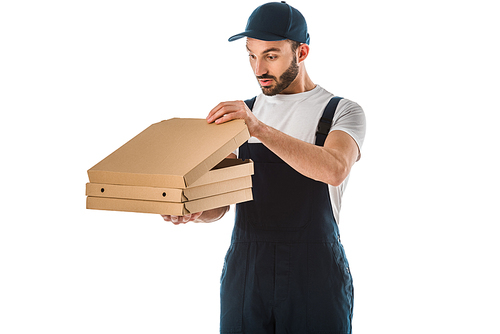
x=350, y=118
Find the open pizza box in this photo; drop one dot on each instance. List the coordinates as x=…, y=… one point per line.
x=174, y=167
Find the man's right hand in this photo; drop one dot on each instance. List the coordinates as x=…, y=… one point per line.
x=209, y=216
x=177, y=220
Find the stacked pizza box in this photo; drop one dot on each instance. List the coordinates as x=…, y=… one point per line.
x=174, y=167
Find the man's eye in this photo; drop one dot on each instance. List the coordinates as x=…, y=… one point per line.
x=271, y=57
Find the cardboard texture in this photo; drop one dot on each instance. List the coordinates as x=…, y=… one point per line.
x=167, y=194
x=173, y=167
x=168, y=208
x=172, y=153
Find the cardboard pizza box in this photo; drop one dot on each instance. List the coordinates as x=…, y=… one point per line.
x=172, y=153
x=169, y=208
x=173, y=167
x=167, y=194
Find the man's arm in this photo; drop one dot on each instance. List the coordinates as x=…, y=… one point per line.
x=329, y=164
x=208, y=216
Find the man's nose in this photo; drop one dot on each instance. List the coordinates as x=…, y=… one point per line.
x=260, y=68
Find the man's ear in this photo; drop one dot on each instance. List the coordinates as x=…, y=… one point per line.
x=303, y=52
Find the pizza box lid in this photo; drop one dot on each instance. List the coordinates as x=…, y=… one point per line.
x=174, y=153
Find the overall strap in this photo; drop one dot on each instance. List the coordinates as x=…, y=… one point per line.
x=250, y=102
x=325, y=123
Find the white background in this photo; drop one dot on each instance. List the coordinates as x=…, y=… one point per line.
x=419, y=220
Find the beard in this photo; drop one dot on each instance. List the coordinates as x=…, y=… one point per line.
x=284, y=81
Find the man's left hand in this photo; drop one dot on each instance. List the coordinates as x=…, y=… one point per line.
x=227, y=111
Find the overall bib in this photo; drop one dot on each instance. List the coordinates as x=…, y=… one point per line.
x=285, y=270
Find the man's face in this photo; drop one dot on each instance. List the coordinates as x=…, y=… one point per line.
x=274, y=65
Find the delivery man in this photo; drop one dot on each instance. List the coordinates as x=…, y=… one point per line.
x=286, y=270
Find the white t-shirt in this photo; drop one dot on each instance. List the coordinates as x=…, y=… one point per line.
x=298, y=115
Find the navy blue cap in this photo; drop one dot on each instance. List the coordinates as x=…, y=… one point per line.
x=275, y=21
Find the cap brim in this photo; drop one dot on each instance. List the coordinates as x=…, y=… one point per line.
x=263, y=36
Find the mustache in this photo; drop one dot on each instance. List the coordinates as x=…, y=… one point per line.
x=266, y=76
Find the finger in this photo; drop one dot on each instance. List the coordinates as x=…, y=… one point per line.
x=186, y=218
x=213, y=111
x=222, y=109
x=219, y=113
x=166, y=218
x=174, y=219
x=228, y=117
x=195, y=216
x=229, y=113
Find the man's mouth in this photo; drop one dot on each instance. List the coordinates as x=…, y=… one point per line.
x=265, y=82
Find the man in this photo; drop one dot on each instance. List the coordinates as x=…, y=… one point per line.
x=286, y=270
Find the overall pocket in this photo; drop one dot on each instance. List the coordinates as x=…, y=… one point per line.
x=343, y=270
x=232, y=290
x=329, y=304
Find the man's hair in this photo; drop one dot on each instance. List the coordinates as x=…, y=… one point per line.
x=295, y=45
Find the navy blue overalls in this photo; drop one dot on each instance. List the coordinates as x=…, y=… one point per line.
x=285, y=270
